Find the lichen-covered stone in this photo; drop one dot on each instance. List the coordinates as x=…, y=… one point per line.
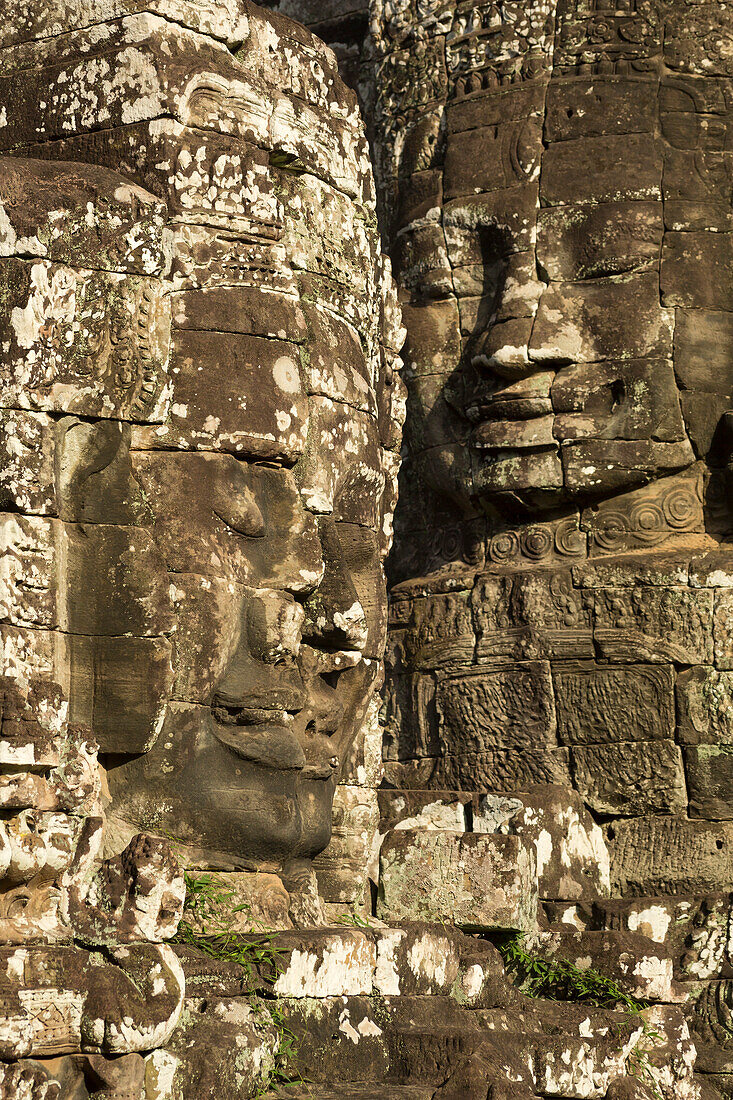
x=572, y=859
x=476, y=881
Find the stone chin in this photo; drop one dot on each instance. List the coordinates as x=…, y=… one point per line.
x=239, y=788
x=576, y=473
x=223, y=808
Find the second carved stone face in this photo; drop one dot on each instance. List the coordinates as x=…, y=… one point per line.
x=555, y=337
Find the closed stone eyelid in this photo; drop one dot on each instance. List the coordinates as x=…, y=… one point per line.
x=244, y=517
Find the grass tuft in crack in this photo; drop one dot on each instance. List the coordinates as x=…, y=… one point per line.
x=558, y=980
x=209, y=914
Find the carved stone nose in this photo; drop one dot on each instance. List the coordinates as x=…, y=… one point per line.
x=334, y=615
x=274, y=627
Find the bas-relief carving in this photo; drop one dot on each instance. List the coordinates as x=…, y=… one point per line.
x=201, y=421
x=555, y=182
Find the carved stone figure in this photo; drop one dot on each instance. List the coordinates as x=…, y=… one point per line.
x=200, y=416
x=555, y=179
x=199, y=425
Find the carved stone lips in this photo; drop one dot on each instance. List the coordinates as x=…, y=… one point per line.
x=526, y=399
x=270, y=743
x=228, y=715
x=508, y=408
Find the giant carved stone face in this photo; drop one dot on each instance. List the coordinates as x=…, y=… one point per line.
x=209, y=393
x=557, y=178
x=545, y=162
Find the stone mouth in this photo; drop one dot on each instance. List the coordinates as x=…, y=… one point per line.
x=249, y=716
x=498, y=400
x=508, y=408
x=515, y=435
x=269, y=744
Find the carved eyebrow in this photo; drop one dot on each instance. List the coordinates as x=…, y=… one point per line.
x=208, y=85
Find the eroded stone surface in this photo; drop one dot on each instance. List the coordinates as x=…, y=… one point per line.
x=199, y=440
x=552, y=182
x=477, y=881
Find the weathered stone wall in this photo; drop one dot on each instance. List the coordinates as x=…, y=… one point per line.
x=200, y=423
x=554, y=181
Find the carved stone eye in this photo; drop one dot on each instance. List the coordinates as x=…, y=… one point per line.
x=240, y=512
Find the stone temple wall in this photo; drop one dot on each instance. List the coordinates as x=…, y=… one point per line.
x=555, y=185
x=225, y=869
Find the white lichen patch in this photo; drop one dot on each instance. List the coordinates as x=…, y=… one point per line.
x=343, y=966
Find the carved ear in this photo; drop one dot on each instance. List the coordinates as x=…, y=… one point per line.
x=93, y=472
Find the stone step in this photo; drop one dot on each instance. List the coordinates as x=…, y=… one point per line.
x=555, y=1049
x=693, y=928
x=410, y=958
x=352, y=1092
x=638, y=966
x=553, y=1065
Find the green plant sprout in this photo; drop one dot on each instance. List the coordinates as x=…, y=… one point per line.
x=354, y=920
x=206, y=924
x=559, y=980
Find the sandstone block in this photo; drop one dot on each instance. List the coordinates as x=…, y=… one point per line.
x=639, y=967
x=507, y=218
x=702, y=343
x=327, y=964
x=471, y=880
x=709, y=770
x=693, y=928
x=705, y=706
x=499, y=769
x=631, y=777
x=628, y=463
x=476, y=160
x=600, y=703
x=406, y=809
x=598, y=169
x=587, y=107
x=130, y=1002
x=696, y=270
x=226, y=1047
x=574, y=1067
x=529, y=616
x=621, y=399
x=103, y=221
x=572, y=859
x=509, y=471
x=657, y=624
x=338, y=1038
x=586, y=241
x=670, y=855
x=94, y=375
x=488, y=709
x=418, y=959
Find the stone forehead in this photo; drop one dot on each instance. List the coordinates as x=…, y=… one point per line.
x=234, y=22
x=271, y=90
x=256, y=148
